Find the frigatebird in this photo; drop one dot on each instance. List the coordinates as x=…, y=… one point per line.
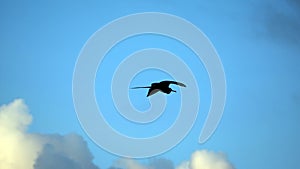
x=162, y=86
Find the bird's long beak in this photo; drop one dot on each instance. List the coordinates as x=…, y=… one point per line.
x=173, y=90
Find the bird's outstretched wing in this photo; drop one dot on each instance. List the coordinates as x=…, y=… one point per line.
x=167, y=83
x=152, y=91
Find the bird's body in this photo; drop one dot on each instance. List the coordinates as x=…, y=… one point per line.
x=162, y=86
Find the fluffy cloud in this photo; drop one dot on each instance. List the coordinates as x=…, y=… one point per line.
x=18, y=148
x=184, y=165
x=155, y=163
x=23, y=150
x=61, y=152
x=160, y=163
x=199, y=160
x=127, y=163
x=206, y=160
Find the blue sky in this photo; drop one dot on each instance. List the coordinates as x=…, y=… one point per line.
x=257, y=41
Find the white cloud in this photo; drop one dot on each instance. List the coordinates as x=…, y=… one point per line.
x=183, y=165
x=154, y=163
x=18, y=148
x=201, y=159
x=209, y=160
x=23, y=150
x=61, y=152
x=160, y=163
x=127, y=163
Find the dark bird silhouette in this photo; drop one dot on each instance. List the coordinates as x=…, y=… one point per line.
x=162, y=86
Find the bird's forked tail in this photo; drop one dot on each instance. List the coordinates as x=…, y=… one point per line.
x=140, y=87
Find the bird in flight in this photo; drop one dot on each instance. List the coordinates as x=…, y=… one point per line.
x=162, y=86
